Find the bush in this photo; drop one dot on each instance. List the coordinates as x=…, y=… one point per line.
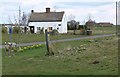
x=16, y=30
x=28, y=32
x=42, y=30
x=83, y=32
x=54, y=32
x=4, y=30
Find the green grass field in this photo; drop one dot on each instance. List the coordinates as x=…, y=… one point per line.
x=71, y=58
x=26, y=38
x=99, y=30
x=104, y=30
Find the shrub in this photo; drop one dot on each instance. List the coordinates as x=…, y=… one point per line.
x=25, y=48
x=83, y=32
x=28, y=32
x=16, y=30
x=54, y=32
x=42, y=30
x=4, y=30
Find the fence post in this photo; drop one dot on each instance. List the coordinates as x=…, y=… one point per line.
x=48, y=43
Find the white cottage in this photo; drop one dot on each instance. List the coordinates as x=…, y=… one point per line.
x=51, y=20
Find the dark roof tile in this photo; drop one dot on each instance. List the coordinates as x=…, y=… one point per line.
x=46, y=17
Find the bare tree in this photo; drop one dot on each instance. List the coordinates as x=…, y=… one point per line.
x=71, y=17
x=16, y=23
x=24, y=21
x=89, y=17
x=90, y=23
x=75, y=25
x=73, y=22
x=9, y=20
x=19, y=17
x=84, y=24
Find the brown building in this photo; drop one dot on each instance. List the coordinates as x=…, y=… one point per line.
x=90, y=23
x=105, y=24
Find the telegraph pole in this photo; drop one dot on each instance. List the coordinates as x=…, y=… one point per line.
x=19, y=15
x=116, y=16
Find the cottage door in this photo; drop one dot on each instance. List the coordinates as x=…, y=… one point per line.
x=32, y=29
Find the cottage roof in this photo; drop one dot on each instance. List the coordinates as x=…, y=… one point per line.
x=46, y=17
x=90, y=21
x=7, y=24
x=104, y=23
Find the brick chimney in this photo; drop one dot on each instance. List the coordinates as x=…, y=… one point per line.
x=32, y=11
x=47, y=10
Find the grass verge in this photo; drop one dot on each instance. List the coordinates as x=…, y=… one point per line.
x=68, y=59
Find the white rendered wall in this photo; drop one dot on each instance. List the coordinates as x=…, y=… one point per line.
x=64, y=24
x=43, y=24
x=48, y=24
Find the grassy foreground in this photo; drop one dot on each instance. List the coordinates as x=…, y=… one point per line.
x=71, y=58
x=26, y=38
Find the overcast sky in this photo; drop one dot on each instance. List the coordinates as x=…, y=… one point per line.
x=100, y=11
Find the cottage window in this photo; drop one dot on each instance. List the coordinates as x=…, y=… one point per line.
x=38, y=28
x=50, y=28
x=25, y=28
x=59, y=24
